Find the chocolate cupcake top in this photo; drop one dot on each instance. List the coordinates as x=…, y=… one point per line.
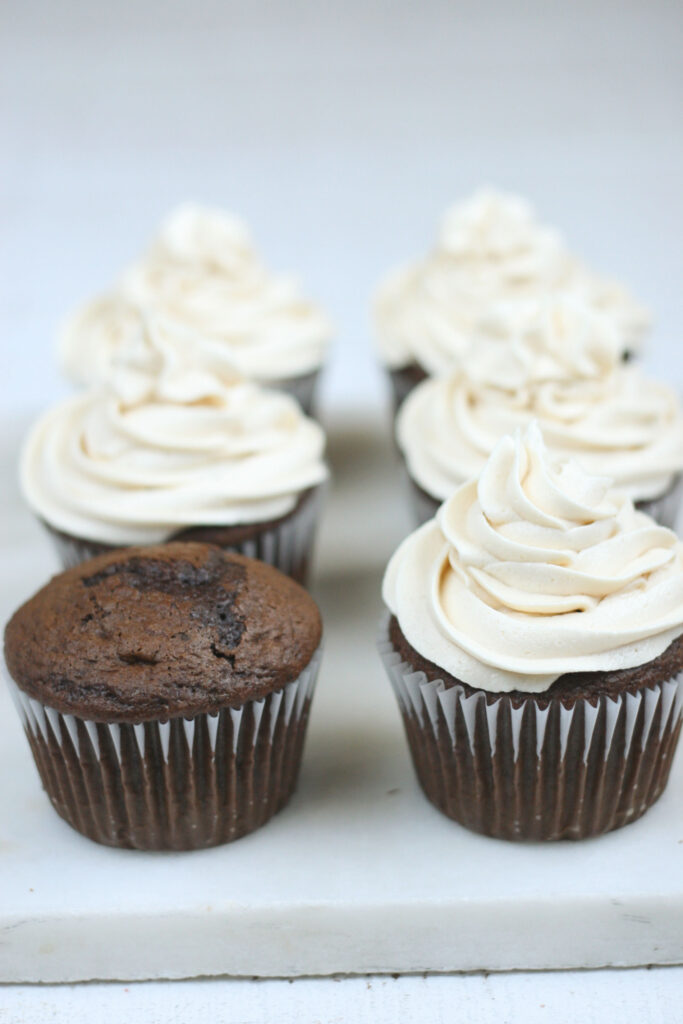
x=171, y=442
x=491, y=249
x=559, y=362
x=203, y=273
x=161, y=632
x=533, y=570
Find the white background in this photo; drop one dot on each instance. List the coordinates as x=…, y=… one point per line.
x=339, y=131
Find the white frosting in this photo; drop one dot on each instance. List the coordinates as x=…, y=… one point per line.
x=490, y=249
x=203, y=273
x=168, y=445
x=90, y=338
x=557, y=362
x=533, y=570
x=607, y=296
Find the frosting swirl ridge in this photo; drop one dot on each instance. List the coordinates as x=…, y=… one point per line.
x=203, y=273
x=558, y=362
x=167, y=445
x=533, y=570
x=491, y=249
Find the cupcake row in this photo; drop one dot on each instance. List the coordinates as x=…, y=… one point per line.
x=193, y=360
x=534, y=640
x=196, y=371
x=534, y=619
x=534, y=627
x=533, y=636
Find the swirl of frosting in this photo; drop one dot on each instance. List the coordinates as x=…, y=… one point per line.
x=557, y=362
x=535, y=569
x=90, y=338
x=169, y=444
x=499, y=240
x=604, y=295
x=203, y=273
x=491, y=249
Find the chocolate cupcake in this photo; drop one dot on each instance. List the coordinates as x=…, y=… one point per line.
x=535, y=644
x=560, y=363
x=203, y=274
x=172, y=449
x=491, y=249
x=165, y=693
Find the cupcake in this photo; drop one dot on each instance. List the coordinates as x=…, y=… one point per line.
x=165, y=693
x=491, y=249
x=203, y=273
x=557, y=362
x=175, y=450
x=535, y=644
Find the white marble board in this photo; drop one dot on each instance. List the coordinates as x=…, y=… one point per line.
x=359, y=874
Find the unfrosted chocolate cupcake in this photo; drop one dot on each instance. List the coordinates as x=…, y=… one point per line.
x=534, y=643
x=203, y=274
x=165, y=693
x=560, y=363
x=175, y=449
x=491, y=249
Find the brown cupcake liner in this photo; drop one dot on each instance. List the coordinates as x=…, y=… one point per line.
x=533, y=772
x=182, y=784
x=402, y=382
x=286, y=543
x=423, y=506
x=664, y=509
x=301, y=388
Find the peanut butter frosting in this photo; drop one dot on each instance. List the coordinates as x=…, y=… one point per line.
x=490, y=249
x=203, y=273
x=169, y=443
x=556, y=361
x=534, y=569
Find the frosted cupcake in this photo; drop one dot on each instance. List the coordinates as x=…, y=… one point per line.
x=557, y=362
x=174, y=450
x=490, y=249
x=203, y=273
x=534, y=644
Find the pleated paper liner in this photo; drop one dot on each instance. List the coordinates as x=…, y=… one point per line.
x=402, y=382
x=284, y=543
x=534, y=773
x=183, y=784
x=664, y=509
x=301, y=388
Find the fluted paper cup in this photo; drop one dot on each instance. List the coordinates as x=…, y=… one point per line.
x=664, y=509
x=301, y=388
x=402, y=381
x=284, y=543
x=536, y=769
x=182, y=784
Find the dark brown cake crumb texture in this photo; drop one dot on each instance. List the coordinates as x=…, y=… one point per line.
x=152, y=633
x=569, y=688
